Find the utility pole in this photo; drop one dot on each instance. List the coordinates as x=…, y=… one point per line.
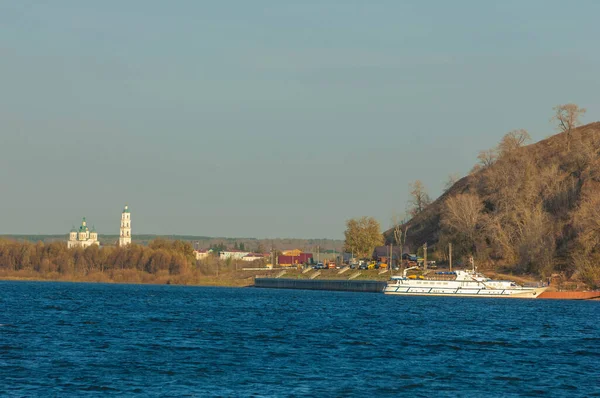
x=272, y=257
x=450, y=253
x=425, y=256
x=390, y=262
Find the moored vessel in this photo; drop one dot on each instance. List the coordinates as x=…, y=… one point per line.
x=458, y=284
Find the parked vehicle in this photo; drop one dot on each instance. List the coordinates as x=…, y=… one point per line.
x=409, y=257
x=319, y=266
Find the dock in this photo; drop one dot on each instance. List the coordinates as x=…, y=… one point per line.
x=369, y=286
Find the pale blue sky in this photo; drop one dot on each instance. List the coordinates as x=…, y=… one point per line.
x=269, y=118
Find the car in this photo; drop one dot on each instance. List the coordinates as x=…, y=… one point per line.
x=363, y=266
x=319, y=266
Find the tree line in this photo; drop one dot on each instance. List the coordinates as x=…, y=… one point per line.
x=172, y=257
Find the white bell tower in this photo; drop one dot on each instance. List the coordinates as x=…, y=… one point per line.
x=125, y=235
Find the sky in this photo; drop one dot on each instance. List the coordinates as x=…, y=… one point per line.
x=269, y=118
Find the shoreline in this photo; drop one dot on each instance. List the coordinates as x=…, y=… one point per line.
x=130, y=278
x=11, y=279
x=234, y=279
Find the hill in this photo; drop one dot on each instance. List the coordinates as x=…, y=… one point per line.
x=526, y=209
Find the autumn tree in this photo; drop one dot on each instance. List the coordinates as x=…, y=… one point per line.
x=567, y=117
x=461, y=218
x=585, y=256
x=419, y=198
x=513, y=140
x=487, y=158
x=587, y=223
x=362, y=236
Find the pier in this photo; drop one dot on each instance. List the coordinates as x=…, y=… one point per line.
x=369, y=286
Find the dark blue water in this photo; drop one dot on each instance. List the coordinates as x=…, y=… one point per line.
x=62, y=339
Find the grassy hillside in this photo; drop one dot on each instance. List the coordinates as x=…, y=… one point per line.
x=527, y=209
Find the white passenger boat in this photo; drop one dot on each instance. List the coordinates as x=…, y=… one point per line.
x=458, y=284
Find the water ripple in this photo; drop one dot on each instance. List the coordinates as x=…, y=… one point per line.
x=66, y=339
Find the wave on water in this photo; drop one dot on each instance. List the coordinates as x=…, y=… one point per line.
x=154, y=340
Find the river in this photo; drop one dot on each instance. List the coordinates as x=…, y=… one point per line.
x=73, y=339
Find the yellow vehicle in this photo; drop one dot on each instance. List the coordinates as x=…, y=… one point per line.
x=383, y=265
x=371, y=265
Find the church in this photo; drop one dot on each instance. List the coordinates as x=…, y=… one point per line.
x=125, y=232
x=84, y=237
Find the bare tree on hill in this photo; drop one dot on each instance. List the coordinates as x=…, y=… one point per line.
x=487, y=158
x=419, y=198
x=513, y=140
x=399, y=234
x=452, y=179
x=461, y=218
x=567, y=117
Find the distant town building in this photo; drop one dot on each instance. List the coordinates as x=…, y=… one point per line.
x=255, y=256
x=382, y=253
x=84, y=237
x=294, y=257
x=125, y=235
x=234, y=254
x=201, y=254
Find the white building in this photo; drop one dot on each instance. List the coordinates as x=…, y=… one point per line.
x=125, y=235
x=234, y=254
x=84, y=237
x=254, y=257
x=201, y=254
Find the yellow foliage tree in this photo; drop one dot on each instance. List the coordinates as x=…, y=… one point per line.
x=362, y=236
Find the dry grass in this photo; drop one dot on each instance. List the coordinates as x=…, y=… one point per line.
x=240, y=279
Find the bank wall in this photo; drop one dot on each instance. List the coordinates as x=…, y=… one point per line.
x=321, y=284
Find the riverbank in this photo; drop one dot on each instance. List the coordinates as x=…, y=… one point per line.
x=229, y=278
x=133, y=277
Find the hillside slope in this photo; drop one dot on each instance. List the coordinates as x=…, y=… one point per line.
x=535, y=209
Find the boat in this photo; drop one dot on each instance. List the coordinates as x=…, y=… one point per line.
x=459, y=283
